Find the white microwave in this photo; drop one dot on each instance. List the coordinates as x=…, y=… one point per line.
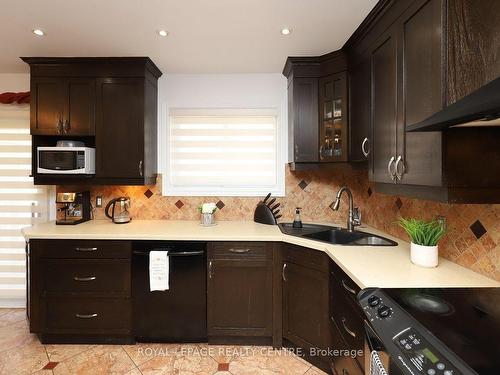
x=66, y=160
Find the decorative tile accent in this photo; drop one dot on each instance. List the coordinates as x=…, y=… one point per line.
x=179, y=204
x=478, y=229
x=223, y=367
x=303, y=184
x=148, y=193
x=50, y=365
x=220, y=205
x=331, y=206
x=369, y=191
x=399, y=203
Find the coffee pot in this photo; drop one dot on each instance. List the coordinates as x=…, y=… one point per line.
x=119, y=210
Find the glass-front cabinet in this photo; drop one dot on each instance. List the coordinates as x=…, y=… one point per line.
x=333, y=118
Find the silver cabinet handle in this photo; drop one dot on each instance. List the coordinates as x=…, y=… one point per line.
x=210, y=269
x=283, y=272
x=239, y=251
x=348, y=288
x=66, y=127
x=399, y=160
x=389, y=169
x=86, y=316
x=140, y=168
x=296, y=150
x=363, y=149
x=86, y=248
x=89, y=278
x=321, y=152
x=353, y=334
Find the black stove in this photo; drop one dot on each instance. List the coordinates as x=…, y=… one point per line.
x=435, y=331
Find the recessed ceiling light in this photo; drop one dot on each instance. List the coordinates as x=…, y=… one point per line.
x=162, y=33
x=38, y=32
x=286, y=31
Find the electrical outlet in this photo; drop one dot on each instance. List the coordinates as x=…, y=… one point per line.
x=98, y=201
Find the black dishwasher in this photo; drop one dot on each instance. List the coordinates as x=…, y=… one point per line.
x=178, y=314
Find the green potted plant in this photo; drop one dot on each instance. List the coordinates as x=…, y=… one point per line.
x=424, y=236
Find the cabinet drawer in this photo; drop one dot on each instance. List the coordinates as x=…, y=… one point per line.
x=306, y=257
x=87, y=316
x=348, y=321
x=239, y=250
x=84, y=277
x=82, y=249
x=343, y=283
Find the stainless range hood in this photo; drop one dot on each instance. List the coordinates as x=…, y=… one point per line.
x=480, y=108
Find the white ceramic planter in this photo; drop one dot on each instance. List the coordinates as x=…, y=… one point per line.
x=424, y=256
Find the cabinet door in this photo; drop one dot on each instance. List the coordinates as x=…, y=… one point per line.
x=359, y=112
x=304, y=120
x=305, y=306
x=419, y=154
x=239, y=298
x=47, y=105
x=120, y=128
x=473, y=45
x=79, y=111
x=333, y=118
x=384, y=107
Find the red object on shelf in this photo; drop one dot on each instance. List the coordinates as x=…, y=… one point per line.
x=15, y=97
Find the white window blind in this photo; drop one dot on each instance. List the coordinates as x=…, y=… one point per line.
x=231, y=154
x=21, y=203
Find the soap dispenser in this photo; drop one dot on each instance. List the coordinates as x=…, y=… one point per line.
x=297, y=222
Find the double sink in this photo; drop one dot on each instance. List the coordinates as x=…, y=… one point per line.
x=335, y=235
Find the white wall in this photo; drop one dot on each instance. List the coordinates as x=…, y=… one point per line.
x=14, y=82
x=226, y=91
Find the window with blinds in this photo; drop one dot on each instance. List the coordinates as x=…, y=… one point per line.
x=21, y=203
x=235, y=154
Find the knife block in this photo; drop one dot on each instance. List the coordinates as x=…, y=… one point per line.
x=264, y=215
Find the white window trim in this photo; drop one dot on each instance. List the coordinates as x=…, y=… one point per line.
x=278, y=190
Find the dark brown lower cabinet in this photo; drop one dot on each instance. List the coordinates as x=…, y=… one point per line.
x=80, y=291
x=240, y=291
x=305, y=302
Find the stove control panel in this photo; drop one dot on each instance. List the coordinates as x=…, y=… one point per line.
x=427, y=359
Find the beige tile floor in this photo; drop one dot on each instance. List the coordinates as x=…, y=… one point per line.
x=22, y=353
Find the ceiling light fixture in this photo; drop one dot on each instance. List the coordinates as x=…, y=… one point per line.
x=286, y=31
x=38, y=32
x=162, y=33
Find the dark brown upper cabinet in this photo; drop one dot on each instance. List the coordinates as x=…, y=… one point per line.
x=318, y=118
x=360, y=140
x=472, y=46
x=109, y=104
x=333, y=132
x=62, y=106
x=409, y=80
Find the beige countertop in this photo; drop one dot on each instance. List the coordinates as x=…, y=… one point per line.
x=368, y=266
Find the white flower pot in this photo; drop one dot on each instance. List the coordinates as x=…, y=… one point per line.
x=424, y=256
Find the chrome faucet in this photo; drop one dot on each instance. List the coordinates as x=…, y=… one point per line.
x=354, y=218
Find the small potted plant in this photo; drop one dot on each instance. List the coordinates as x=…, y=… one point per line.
x=424, y=236
x=207, y=211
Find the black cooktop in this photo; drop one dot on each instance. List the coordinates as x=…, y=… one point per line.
x=466, y=320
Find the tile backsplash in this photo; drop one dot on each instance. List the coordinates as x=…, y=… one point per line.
x=473, y=238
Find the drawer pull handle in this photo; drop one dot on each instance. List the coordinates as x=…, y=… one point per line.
x=210, y=270
x=283, y=275
x=348, y=288
x=86, y=316
x=352, y=333
x=239, y=251
x=86, y=249
x=89, y=278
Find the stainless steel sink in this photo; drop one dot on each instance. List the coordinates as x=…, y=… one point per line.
x=336, y=236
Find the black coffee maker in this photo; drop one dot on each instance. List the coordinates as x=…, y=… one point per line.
x=72, y=208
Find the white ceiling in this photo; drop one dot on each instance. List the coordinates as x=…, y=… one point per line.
x=206, y=36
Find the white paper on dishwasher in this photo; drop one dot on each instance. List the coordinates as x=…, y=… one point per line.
x=158, y=270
